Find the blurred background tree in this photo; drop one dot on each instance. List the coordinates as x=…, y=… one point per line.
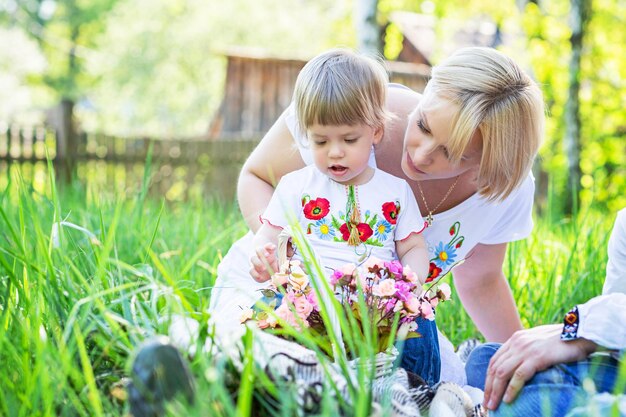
x=157, y=68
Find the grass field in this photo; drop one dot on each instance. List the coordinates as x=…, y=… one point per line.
x=84, y=279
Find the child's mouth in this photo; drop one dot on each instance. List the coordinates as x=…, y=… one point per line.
x=338, y=169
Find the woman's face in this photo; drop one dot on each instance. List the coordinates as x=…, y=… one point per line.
x=425, y=153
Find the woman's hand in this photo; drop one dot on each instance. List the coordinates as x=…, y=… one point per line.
x=526, y=353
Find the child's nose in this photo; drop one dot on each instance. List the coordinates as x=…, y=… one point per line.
x=335, y=151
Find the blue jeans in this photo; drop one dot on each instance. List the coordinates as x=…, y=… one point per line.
x=420, y=355
x=552, y=392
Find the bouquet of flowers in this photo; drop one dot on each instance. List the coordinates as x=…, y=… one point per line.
x=390, y=293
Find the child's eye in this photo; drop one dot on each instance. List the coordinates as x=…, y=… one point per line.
x=351, y=140
x=319, y=142
x=422, y=126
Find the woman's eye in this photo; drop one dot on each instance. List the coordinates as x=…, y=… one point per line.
x=445, y=152
x=421, y=126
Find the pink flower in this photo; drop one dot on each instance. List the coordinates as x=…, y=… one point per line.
x=263, y=324
x=434, y=302
x=336, y=277
x=303, y=307
x=284, y=313
x=312, y=299
x=410, y=275
x=395, y=268
x=390, y=305
x=348, y=269
x=403, y=290
x=360, y=279
x=444, y=291
x=385, y=288
x=427, y=310
x=279, y=279
x=374, y=263
x=412, y=305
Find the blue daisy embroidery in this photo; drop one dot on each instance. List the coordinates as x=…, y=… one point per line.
x=382, y=230
x=323, y=229
x=444, y=255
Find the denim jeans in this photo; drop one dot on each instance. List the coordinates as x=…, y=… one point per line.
x=552, y=392
x=420, y=355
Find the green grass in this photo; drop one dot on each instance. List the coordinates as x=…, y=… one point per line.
x=74, y=309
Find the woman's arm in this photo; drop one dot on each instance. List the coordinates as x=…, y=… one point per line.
x=485, y=292
x=275, y=156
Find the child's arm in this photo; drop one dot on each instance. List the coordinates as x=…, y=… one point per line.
x=264, y=261
x=412, y=252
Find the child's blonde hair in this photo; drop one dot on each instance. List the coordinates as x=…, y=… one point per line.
x=497, y=99
x=341, y=87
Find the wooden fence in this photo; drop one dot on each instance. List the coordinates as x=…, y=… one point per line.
x=21, y=144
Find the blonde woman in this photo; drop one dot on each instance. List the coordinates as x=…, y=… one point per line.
x=466, y=147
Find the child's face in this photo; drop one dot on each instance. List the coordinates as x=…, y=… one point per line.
x=342, y=152
x=425, y=154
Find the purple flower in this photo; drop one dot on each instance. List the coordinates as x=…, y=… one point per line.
x=390, y=305
x=395, y=268
x=403, y=290
x=336, y=277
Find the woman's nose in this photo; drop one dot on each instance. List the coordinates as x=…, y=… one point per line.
x=421, y=156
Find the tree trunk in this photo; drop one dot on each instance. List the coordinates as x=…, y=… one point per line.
x=367, y=29
x=66, y=140
x=579, y=15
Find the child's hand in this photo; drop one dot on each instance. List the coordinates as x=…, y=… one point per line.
x=264, y=263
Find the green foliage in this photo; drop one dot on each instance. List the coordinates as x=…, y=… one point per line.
x=77, y=299
x=20, y=58
x=162, y=66
x=65, y=31
x=603, y=153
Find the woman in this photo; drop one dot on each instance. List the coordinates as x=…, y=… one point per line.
x=466, y=148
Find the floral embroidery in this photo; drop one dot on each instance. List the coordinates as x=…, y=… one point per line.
x=445, y=254
x=570, y=325
x=364, y=229
x=315, y=209
x=323, y=229
x=391, y=211
x=433, y=272
x=382, y=229
x=373, y=230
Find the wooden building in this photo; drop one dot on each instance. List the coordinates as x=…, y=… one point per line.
x=259, y=87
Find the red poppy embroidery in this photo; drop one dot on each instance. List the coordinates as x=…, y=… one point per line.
x=433, y=272
x=316, y=209
x=365, y=231
x=391, y=211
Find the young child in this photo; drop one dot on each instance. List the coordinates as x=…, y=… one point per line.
x=349, y=209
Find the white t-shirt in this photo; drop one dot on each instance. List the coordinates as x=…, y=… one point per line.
x=616, y=266
x=456, y=231
x=388, y=213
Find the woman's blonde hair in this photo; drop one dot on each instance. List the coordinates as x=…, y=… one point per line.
x=341, y=87
x=497, y=99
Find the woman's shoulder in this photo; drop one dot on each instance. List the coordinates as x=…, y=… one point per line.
x=401, y=100
x=400, y=103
